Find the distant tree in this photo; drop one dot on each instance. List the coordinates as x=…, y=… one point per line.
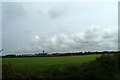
x=43, y=51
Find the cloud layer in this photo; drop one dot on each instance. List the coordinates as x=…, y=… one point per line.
x=59, y=27
x=94, y=39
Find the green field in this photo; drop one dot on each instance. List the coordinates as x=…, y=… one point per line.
x=96, y=66
x=41, y=63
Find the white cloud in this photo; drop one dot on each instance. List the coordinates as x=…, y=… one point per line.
x=93, y=39
x=37, y=37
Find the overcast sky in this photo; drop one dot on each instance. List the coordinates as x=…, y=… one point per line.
x=59, y=27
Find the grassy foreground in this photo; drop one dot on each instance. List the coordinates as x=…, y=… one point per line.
x=94, y=67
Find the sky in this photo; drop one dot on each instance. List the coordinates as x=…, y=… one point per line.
x=31, y=27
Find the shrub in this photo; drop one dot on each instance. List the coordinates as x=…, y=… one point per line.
x=103, y=67
x=72, y=71
x=117, y=56
x=9, y=71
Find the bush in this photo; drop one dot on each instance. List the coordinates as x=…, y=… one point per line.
x=103, y=67
x=9, y=71
x=72, y=71
x=117, y=56
x=53, y=72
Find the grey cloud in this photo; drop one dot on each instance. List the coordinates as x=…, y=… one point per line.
x=28, y=32
x=77, y=41
x=57, y=12
x=13, y=10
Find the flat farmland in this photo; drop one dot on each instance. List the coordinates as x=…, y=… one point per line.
x=41, y=63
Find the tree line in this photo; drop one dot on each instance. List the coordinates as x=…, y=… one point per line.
x=61, y=54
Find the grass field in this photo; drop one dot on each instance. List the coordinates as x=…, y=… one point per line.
x=41, y=63
x=96, y=66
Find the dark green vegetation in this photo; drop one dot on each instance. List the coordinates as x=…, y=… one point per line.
x=84, y=66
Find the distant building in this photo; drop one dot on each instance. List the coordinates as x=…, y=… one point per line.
x=27, y=54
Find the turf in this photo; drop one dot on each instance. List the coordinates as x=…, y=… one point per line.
x=42, y=63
